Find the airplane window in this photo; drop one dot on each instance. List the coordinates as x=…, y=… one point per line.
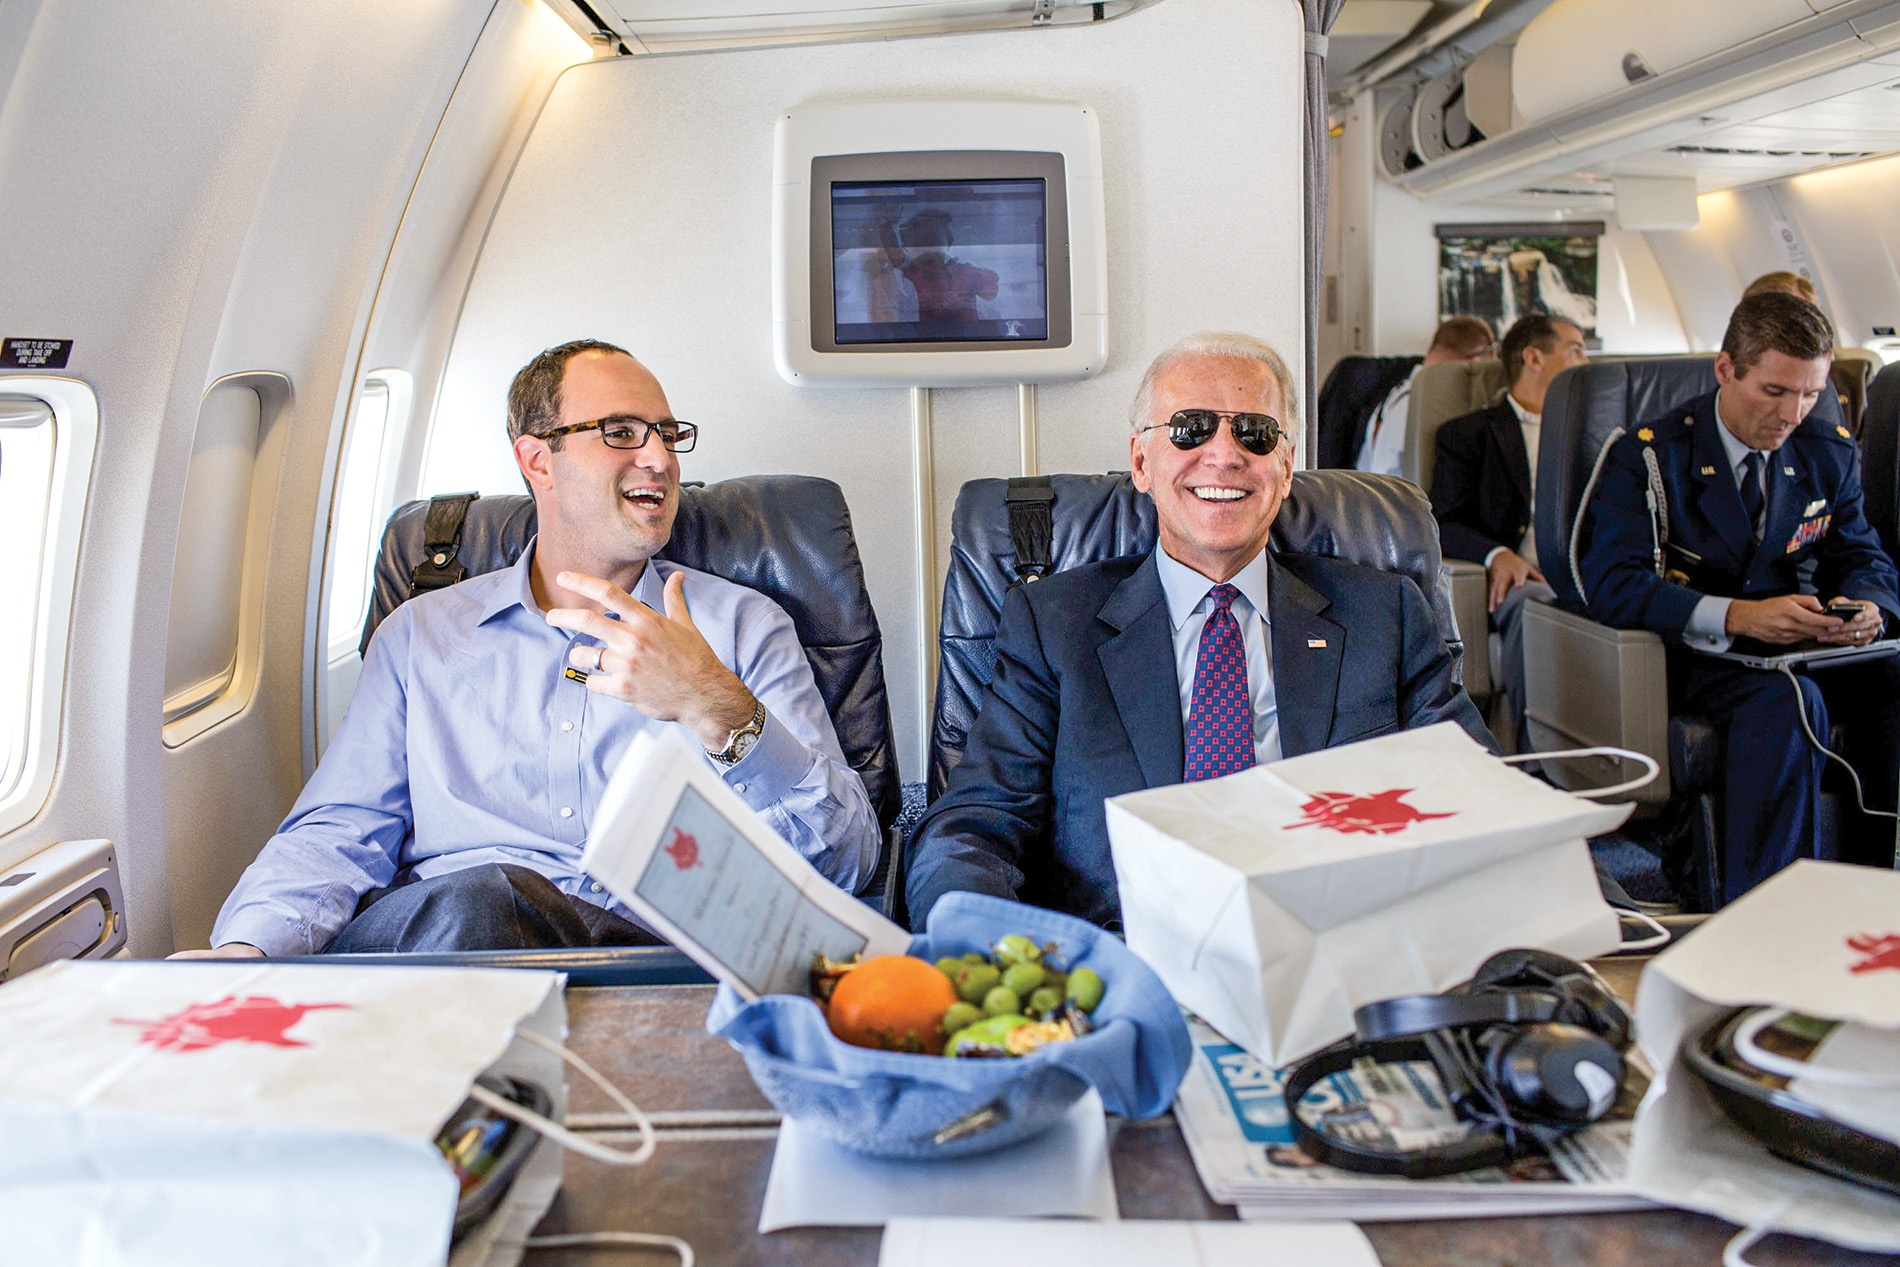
x=362, y=501
x=48, y=428
x=1887, y=349
x=201, y=647
x=26, y=468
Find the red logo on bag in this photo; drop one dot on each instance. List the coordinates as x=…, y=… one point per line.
x=254, y=1019
x=1380, y=814
x=684, y=851
x=1881, y=952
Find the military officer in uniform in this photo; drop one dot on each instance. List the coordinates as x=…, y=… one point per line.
x=1761, y=530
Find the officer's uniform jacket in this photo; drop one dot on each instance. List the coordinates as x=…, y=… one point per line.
x=1816, y=538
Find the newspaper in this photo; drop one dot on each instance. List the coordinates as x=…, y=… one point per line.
x=1233, y=1115
x=680, y=848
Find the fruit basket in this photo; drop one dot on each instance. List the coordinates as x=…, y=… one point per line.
x=895, y=1104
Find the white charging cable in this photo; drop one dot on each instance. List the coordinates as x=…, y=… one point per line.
x=1744, y=1240
x=1788, y=1067
x=1801, y=711
x=1651, y=771
x=1659, y=937
x=560, y=1134
x=614, y=1240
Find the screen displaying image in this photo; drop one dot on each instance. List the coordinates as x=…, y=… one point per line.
x=939, y=261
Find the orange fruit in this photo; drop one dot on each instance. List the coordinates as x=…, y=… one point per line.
x=894, y=1002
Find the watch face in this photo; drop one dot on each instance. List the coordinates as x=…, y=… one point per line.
x=742, y=743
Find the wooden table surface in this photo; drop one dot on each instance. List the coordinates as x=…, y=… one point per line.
x=707, y=1179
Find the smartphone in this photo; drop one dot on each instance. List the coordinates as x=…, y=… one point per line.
x=1841, y=609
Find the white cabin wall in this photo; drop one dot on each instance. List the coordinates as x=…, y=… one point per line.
x=640, y=213
x=190, y=191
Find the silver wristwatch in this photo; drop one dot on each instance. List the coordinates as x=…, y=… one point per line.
x=741, y=741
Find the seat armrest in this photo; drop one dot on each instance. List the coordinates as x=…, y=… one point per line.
x=1469, y=609
x=1587, y=685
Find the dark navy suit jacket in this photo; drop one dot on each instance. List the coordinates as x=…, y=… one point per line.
x=1082, y=705
x=1815, y=540
x=1481, y=483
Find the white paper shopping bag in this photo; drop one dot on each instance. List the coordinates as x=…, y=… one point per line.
x=1275, y=901
x=1821, y=939
x=244, y=1112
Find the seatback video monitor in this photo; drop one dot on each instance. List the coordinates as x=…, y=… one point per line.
x=934, y=263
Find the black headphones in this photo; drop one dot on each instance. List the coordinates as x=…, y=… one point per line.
x=1530, y=1049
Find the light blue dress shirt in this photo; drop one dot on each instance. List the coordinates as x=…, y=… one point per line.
x=1189, y=606
x=465, y=744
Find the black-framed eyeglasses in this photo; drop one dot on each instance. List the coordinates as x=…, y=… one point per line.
x=1192, y=428
x=630, y=433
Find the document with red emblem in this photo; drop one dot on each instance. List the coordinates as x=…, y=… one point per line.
x=680, y=848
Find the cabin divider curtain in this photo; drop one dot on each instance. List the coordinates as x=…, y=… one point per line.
x=1320, y=16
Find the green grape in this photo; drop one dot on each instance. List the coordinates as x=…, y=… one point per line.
x=1045, y=1000
x=1024, y=978
x=1058, y=980
x=948, y=966
x=986, y=1033
x=975, y=956
x=1085, y=987
x=960, y=1016
x=974, y=980
x=1016, y=948
x=1002, y=1001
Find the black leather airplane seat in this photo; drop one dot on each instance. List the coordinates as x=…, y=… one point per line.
x=1587, y=684
x=1879, y=470
x=1378, y=520
x=787, y=536
x=1347, y=400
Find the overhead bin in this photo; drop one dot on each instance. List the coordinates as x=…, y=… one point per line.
x=1598, y=82
x=1578, y=51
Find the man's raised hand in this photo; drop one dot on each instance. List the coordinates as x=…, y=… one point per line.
x=657, y=662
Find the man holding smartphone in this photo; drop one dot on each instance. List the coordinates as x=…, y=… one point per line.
x=1736, y=522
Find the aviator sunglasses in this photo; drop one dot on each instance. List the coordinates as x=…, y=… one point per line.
x=1192, y=428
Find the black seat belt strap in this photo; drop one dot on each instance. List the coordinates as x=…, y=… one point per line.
x=442, y=537
x=1031, y=501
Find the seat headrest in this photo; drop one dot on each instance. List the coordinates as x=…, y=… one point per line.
x=1450, y=389
x=1375, y=520
x=787, y=536
x=1880, y=456
x=1585, y=406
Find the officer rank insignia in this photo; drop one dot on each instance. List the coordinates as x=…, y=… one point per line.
x=1809, y=532
x=1645, y=435
x=1845, y=433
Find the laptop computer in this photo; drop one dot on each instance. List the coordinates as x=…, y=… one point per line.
x=1763, y=655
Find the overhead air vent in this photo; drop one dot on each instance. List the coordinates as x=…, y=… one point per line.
x=1736, y=152
x=679, y=25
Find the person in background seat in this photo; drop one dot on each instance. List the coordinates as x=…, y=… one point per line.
x=1763, y=523
x=1484, y=486
x=1196, y=660
x=1458, y=339
x=451, y=806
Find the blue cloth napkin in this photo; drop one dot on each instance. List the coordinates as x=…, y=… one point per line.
x=893, y=1104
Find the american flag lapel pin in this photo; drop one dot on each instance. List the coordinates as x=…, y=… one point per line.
x=1315, y=642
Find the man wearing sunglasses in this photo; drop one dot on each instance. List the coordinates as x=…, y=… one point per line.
x=1201, y=658
x=450, y=809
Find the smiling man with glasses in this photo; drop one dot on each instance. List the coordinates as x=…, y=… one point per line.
x=450, y=809
x=1202, y=658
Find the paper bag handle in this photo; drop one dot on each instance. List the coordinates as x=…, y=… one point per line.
x=1755, y=1054
x=560, y=1134
x=1630, y=786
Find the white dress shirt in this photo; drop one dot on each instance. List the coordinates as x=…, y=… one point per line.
x=1531, y=424
x=1188, y=609
x=1384, y=447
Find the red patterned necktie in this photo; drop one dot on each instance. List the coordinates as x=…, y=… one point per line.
x=1220, y=719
